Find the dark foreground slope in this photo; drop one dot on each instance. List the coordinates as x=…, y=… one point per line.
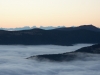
x=68, y=56
x=45, y=37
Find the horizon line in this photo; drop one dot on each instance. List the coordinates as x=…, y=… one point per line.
x=34, y=26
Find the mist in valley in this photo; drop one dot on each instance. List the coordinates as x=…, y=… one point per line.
x=13, y=61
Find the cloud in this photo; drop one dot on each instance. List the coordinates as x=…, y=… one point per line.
x=13, y=62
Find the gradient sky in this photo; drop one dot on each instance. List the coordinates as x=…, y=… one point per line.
x=19, y=13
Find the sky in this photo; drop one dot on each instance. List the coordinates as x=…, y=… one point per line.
x=19, y=13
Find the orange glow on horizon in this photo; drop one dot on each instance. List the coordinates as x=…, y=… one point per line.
x=20, y=13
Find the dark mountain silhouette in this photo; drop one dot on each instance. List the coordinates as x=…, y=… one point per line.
x=69, y=56
x=46, y=37
x=87, y=27
x=95, y=49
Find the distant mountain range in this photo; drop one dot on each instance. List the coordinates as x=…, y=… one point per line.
x=58, y=36
x=87, y=27
x=28, y=28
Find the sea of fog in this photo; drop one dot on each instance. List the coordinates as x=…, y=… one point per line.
x=13, y=62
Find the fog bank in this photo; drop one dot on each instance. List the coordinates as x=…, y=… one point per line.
x=13, y=62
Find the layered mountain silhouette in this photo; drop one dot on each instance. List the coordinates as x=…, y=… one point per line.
x=81, y=34
x=86, y=27
x=69, y=56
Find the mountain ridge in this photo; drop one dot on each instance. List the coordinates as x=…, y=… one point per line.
x=87, y=27
x=79, y=54
x=46, y=37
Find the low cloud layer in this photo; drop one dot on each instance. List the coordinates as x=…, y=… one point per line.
x=28, y=28
x=13, y=62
